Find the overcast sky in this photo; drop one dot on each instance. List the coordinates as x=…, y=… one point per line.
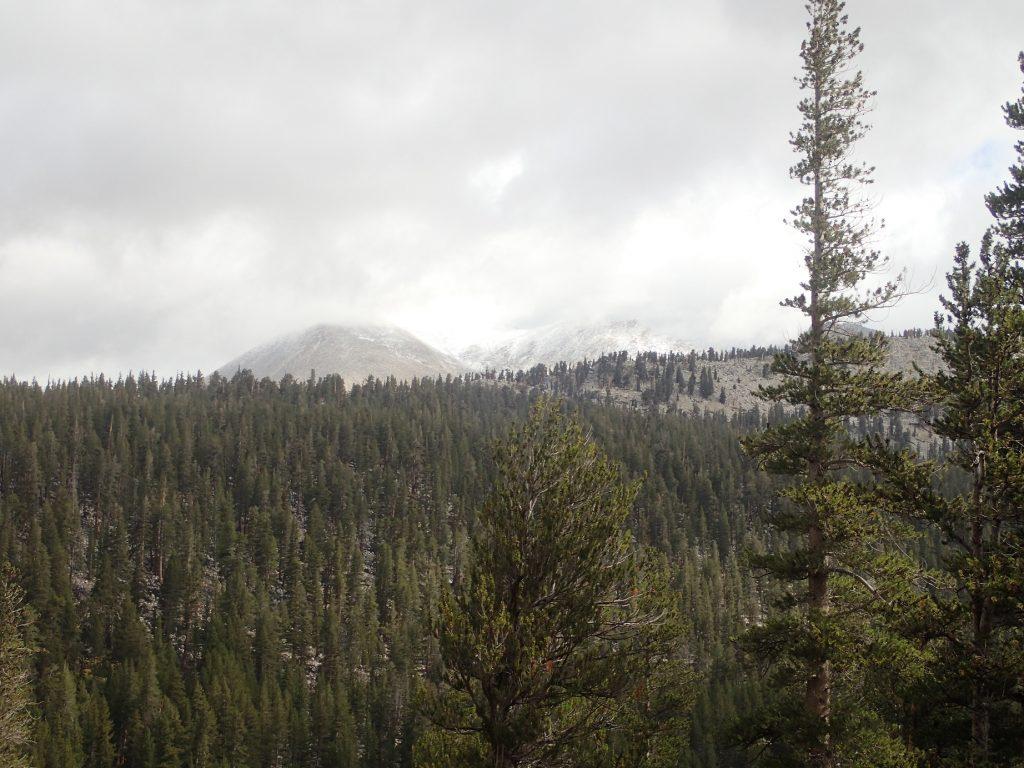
x=182, y=180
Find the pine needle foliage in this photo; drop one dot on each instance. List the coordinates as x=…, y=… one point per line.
x=15, y=677
x=830, y=552
x=1006, y=204
x=560, y=640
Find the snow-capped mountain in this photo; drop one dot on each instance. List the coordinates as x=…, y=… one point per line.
x=567, y=342
x=358, y=351
x=354, y=352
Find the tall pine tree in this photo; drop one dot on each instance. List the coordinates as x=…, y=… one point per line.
x=828, y=553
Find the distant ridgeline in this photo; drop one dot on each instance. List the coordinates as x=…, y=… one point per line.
x=240, y=572
x=714, y=382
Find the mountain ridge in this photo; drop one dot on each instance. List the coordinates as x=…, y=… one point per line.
x=356, y=351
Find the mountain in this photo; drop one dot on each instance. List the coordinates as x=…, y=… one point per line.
x=353, y=352
x=358, y=351
x=521, y=350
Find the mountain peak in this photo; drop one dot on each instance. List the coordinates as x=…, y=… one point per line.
x=354, y=352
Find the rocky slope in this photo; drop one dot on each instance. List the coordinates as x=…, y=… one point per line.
x=640, y=380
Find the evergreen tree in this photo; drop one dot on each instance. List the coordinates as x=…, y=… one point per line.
x=828, y=554
x=558, y=640
x=707, y=383
x=96, y=731
x=59, y=741
x=979, y=620
x=973, y=715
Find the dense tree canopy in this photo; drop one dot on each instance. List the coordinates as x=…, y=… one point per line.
x=243, y=573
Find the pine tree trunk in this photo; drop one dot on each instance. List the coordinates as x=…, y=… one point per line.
x=980, y=626
x=501, y=760
x=979, y=727
x=819, y=684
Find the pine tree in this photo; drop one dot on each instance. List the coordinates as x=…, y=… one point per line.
x=981, y=396
x=973, y=715
x=828, y=554
x=96, y=730
x=707, y=383
x=204, y=729
x=60, y=737
x=558, y=640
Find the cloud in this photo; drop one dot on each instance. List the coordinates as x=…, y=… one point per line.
x=184, y=180
x=493, y=177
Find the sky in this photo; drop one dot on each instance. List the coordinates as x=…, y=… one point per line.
x=182, y=181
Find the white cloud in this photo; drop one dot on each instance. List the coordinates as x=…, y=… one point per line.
x=183, y=180
x=492, y=178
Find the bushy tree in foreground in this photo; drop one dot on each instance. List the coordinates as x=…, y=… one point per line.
x=823, y=644
x=560, y=642
x=15, y=680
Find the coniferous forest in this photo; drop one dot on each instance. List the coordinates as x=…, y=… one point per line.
x=515, y=570
x=244, y=573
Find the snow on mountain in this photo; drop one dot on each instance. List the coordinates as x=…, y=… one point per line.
x=567, y=342
x=358, y=351
x=353, y=352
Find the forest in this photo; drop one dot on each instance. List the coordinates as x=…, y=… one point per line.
x=514, y=570
x=243, y=572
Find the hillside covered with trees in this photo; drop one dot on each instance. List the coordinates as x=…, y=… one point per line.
x=243, y=573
